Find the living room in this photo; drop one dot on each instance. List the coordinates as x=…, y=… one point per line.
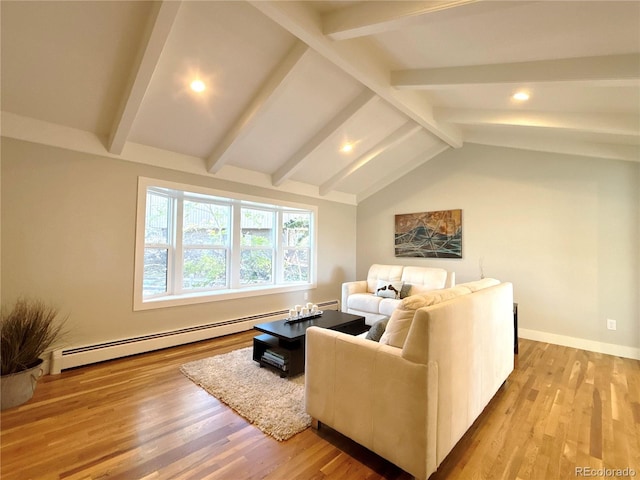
x=558, y=217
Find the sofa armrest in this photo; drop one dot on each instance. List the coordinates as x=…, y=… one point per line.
x=451, y=279
x=470, y=339
x=349, y=288
x=371, y=394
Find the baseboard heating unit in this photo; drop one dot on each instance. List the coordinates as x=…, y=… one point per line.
x=76, y=356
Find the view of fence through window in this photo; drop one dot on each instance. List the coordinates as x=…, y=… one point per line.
x=195, y=243
x=206, y=231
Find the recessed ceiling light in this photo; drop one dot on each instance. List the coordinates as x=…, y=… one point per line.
x=521, y=96
x=346, y=148
x=198, y=86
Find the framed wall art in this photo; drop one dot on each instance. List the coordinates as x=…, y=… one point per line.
x=429, y=234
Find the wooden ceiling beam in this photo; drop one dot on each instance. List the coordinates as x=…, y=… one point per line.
x=266, y=95
x=158, y=30
x=369, y=18
x=398, y=136
x=622, y=69
x=296, y=161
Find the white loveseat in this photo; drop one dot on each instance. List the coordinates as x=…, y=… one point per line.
x=412, y=399
x=363, y=298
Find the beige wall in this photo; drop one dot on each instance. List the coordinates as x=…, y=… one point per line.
x=68, y=233
x=563, y=229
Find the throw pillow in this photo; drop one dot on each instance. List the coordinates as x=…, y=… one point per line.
x=406, y=288
x=376, y=330
x=388, y=289
x=399, y=324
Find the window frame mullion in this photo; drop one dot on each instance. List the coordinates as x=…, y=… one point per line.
x=178, y=257
x=236, y=248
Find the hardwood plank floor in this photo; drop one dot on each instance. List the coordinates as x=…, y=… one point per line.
x=140, y=418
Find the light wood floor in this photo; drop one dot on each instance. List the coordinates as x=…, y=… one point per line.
x=139, y=417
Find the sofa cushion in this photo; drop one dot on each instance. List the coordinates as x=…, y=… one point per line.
x=426, y=278
x=388, y=305
x=398, y=327
x=480, y=284
x=389, y=273
x=387, y=289
x=364, y=302
x=376, y=330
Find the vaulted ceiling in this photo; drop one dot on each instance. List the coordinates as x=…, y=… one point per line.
x=288, y=84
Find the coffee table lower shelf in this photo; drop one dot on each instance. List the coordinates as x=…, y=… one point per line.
x=293, y=351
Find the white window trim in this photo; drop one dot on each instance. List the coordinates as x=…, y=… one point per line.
x=140, y=303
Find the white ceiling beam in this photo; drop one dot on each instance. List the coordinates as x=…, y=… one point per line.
x=369, y=18
x=158, y=30
x=266, y=95
x=398, y=136
x=610, y=68
x=358, y=60
x=610, y=124
x=296, y=161
x=405, y=169
x=582, y=148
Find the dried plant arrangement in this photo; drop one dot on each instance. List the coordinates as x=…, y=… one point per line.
x=27, y=331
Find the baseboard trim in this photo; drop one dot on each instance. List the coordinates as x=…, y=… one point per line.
x=581, y=343
x=75, y=356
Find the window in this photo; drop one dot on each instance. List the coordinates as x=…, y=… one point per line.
x=195, y=245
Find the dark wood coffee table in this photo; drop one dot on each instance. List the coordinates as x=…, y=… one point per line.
x=287, y=340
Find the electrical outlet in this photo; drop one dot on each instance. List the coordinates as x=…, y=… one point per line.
x=611, y=324
x=306, y=295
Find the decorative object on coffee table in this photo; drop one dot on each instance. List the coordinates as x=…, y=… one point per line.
x=301, y=313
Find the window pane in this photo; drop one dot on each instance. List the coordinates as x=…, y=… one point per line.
x=296, y=265
x=257, y=228
x=296, y=229
x=157, y=219
x=154, y=279
x=256, y=266
x=204, y=268
x=205, y=223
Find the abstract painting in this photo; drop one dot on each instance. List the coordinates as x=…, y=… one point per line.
x=429, y=234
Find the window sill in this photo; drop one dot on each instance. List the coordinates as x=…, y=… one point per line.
x=205, y=297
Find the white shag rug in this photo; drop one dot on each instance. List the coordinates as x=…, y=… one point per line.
x=275, y=405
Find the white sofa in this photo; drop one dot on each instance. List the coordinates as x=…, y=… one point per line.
x=412, y=399
x=360, y=297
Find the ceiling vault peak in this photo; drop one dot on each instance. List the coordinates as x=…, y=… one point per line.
x=359, y=61
x=367, y=18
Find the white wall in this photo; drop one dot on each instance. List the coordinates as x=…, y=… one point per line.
x=563, y=229
x=68, y=233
